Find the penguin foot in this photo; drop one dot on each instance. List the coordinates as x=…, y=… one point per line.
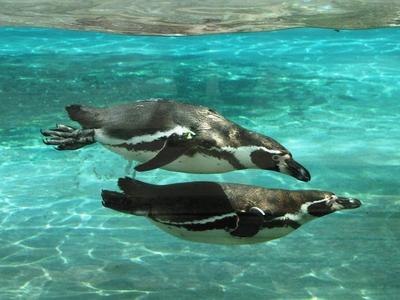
x=67, y=138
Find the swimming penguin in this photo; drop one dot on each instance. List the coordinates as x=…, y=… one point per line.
x=223, y=213
x=174, y=136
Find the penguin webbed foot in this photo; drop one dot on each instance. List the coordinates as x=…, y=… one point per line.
x=65, y=137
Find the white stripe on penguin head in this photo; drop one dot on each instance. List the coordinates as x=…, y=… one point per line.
x=243, y=153
x=302, y=216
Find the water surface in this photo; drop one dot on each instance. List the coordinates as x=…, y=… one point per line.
x=175, y=17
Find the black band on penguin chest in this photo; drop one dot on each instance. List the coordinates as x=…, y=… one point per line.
x=156, y=145
x=152, y=146
x=270, y=224
x=227, y=223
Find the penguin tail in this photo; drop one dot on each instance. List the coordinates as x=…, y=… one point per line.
x=135, y=187
x=87, y=117
x=123, y=203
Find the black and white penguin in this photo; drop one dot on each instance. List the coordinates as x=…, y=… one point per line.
x=223, y=213
x=174, y=136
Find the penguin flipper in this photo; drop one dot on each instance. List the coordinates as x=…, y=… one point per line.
x=174, y=147
x=249, y=223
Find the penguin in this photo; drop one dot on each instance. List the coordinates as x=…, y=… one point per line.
x=173, y=136
x=223, y=213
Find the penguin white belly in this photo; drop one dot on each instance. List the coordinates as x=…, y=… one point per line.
x=268, y=234
x=216, y=236
x=198, y=163
x=220, y=236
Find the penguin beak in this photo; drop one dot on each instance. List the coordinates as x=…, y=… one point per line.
x=348, y=203
x=296, y=170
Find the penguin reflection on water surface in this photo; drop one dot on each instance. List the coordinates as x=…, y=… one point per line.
x=223, y=213
x=174, y=136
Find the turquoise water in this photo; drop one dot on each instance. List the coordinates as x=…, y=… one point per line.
x=332, y=98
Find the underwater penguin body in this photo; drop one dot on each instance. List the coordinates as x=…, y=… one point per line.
x=174, y=136
x=223, y=213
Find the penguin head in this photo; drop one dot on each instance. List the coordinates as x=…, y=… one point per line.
x=329, y=204
x=280, y=161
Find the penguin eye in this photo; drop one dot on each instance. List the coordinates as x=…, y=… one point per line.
x=331, y=197
x=275, y=157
